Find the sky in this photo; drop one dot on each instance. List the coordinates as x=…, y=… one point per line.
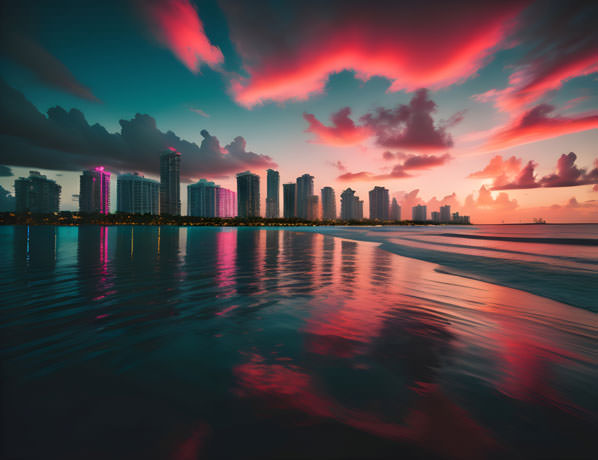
x=491, y=107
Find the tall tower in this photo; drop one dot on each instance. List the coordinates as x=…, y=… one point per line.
x=379, y=205
x=272, y=201
x=170, y=183
x=395, y=210
x=289, y=200
x=94, y=192
x=445, y=213
x=328, y=204
x=305, y=189
x=248, y=194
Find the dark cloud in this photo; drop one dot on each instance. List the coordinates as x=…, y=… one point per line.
x=20, y=47
x=5, y=171
x=64, y=140
x=425, y=161
x=411, y=126
x=567, y=174
x=7, y=201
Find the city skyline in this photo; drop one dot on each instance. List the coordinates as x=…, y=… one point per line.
x=504, y=129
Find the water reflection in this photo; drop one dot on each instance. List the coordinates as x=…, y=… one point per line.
x=285, y=342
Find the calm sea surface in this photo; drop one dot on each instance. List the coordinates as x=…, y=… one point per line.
x=183, y=343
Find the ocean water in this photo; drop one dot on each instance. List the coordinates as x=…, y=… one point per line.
x=147, y=342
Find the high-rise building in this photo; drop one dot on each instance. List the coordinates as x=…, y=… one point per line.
x=305, y=190
x=419, y=213
x=312, y=208
x=36, y=194
x=226, y=202
x=170, y=183
x=206, y=199
x=94, y=191
x=395, y=210
x=201, y=199
x=445, y=213
x=379, y=203
x=436, y=217
x=289, y=200
x=351, y=206
x=328, y=204
x=136, y=194
x=248, y=194
x=272, y=201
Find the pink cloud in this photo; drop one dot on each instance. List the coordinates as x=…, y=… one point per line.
x=566, y=174
x=176, y=25
x=562, y=39
x=399, y=171
x=498, y=167
x=343, y=130
x=199, y=112
x=539, y=124
x=402, y=42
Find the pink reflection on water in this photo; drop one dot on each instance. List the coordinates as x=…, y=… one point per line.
x=434, y=422
x=226, y=250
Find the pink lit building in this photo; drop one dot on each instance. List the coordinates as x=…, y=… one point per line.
x=94, y=193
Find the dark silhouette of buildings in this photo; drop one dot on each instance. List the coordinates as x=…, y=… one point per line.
x=36, y=194
x=445, y=214
x=170, y=183
x=94, y=191
x=351, y=206
x=289, y=196
x=273, y=187
x=136, y=194
x=305, y=190
x=248, y=194
x=328, y=203
x=313, y=208
x=379, y=203
x=395, y=210
x=419, y=213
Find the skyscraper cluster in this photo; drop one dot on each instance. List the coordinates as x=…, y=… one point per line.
x=139, y=195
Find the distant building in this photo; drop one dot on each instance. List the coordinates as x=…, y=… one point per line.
x=248, y=194
x=137, y=195
x=436, y=217
x=289, y=200
x=94, y=191
x=305, y=190
x=328, y=204
x=445, y=214
x=395, y=210
x=206, y=199
x=457, y=219
x=379, y=203
x=37, y=194
x=351, y=206
x=419, y=213
x=170, y=183
x=272, y=201
x=313, y=208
